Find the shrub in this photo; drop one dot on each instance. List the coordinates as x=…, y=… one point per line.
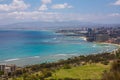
x=1, y=73
x=67, y=66
x=105, y=62
x=114, y=73
x=70, y=79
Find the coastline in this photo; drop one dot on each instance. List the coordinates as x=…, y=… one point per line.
x=108, y=43
x=113, y=51
x=85, y=39
x=69, y=63
x=22, y=61
x=38, y=59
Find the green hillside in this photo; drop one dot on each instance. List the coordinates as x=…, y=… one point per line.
x=89, y=71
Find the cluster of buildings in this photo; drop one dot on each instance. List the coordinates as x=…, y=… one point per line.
x=97, y=34
x=104, y=34
x=6, y=70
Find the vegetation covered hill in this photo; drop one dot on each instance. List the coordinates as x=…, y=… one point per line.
x=90, y=67
x=89, y=71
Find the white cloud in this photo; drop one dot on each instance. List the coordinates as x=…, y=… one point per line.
x=15, y=5
x=46, y=1
x=43, y=7
x=18, y=16
x=46, y=16
x=39, y=16
x=61, y=6
x=53, y=16
x=115, y=14
x=117, y=2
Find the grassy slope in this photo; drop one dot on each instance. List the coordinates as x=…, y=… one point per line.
x=90, y=71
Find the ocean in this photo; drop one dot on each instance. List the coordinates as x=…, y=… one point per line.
x=34, y=47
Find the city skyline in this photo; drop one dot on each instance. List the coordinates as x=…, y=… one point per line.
x=98, y=11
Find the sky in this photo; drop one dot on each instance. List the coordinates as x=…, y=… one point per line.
x=96, y=11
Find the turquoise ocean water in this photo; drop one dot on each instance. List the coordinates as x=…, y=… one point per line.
x=33, y=47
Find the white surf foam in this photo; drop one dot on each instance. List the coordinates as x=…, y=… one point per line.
x=35, y=57
x=12, y=60
x=94, y=45
x=65, y=55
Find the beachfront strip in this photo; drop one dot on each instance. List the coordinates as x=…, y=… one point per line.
x=95, y=34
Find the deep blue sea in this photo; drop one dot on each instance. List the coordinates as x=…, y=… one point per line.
x=33, y=47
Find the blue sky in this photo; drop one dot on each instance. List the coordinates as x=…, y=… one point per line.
x=97, y=11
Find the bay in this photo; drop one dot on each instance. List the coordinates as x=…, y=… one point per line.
x=34, y=47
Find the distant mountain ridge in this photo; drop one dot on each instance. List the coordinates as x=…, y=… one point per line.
x=54, y=25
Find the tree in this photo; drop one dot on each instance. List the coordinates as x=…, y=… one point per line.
x=114, y=73
x=1, y=73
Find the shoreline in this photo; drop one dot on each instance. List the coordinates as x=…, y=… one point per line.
x=16, y=59
x=113, y=51
x=109, y=43
x=82, y=37
x=20, y=62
